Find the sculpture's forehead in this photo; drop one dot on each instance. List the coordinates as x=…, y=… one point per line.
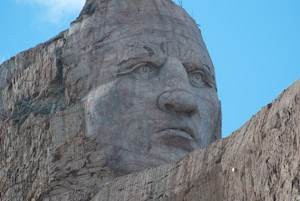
x=159, y=48
x=153, y=48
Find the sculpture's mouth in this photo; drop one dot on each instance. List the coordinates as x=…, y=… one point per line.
x=183, y=132
x=180, y=138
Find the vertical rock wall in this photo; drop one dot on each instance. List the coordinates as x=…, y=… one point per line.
x=31, y=92
x=43, y=148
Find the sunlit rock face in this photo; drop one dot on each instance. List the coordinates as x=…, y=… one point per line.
x=129, y=86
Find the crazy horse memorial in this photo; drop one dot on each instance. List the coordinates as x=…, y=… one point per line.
x=124, y=106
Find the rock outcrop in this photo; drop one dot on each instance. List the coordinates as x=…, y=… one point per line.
x=260, y=161
x=46, y=153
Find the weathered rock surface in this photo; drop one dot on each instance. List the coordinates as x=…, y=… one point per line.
x=265, y=152
x=118, y=92
x=46, y=152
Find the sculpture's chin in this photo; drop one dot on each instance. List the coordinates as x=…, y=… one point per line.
x=131, y=162
x=166, y=149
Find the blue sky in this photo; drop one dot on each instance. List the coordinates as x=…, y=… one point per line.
x=254, y=44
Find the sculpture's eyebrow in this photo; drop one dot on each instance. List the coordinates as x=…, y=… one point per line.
x=191, y=66
x=135, y=52
x=140, y=53
x=207, y=67
x=131, y=58
x=193, y=59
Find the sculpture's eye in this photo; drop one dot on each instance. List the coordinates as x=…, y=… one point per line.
x=197, y=79
x=144, y=71
x=141, y=71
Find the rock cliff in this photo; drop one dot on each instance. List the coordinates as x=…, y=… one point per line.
x=46, y=154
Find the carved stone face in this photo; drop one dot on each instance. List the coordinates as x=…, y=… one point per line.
x=156, y=100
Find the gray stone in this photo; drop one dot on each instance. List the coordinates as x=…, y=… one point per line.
x=153, y=95
x=91, y=113
x=128, y=87
x=265, y=159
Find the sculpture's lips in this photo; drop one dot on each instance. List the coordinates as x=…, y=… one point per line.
x=184, y=132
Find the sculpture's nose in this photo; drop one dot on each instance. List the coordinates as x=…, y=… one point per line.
x=177, y=101
x=176, y=97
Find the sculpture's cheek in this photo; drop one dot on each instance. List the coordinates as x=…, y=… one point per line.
x=208, y=111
